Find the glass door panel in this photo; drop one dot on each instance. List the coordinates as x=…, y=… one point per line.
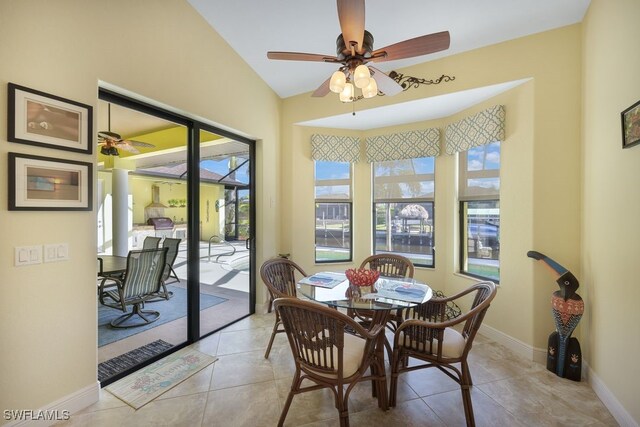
x=224, y=224
x=142, y=192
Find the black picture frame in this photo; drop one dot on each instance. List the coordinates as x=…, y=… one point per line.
x=45, y=120
x=38, y=183
x=631, y=126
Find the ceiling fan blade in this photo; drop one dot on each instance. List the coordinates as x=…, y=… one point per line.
x=128, y=148
x=351, y=16
x=413, y=47
x=386, y=84
x=111, y=136
x=138, y=143
x=300, y=56
x=323, y=89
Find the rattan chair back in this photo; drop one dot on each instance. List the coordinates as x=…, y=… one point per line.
x=389, y=265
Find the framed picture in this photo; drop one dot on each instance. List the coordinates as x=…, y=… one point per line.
x=631, y=126
x=38, y=118
x=45, y=184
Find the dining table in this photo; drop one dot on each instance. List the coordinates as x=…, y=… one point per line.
x=111, y=265
x=386, y=295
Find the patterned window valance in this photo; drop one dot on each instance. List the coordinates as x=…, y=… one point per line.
x=480, y=129
x=333, y=148
x=406, y=145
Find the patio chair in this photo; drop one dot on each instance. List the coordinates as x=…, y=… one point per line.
x=141, y=283
x=431, y=338
x=279, y=276
x=172, y=246
x=151, y=242
x=327, y=356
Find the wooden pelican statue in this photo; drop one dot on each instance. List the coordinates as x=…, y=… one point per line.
x=564, y=356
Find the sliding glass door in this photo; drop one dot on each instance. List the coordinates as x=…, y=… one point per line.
x=225, y=229
x=187, y=186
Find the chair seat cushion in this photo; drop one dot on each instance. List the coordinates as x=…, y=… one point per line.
x=352, y=356
x=452, y=348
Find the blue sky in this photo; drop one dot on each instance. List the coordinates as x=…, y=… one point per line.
x=222, y=167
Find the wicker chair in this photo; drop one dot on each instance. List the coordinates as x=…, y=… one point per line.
x=389, y=265
x=431, y=338
x=327, y=356
x=141, y=283
x=279, y=275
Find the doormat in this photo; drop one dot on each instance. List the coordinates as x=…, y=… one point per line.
x=112, y=367
x=143, y=386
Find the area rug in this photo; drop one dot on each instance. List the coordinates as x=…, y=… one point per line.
x=112, y=367
x=143, y=386
x=170, y=310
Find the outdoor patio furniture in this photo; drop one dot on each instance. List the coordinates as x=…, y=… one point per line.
x=151, y=242
x=327, y=356
x=142, y=281
x=279, y=275
x=430, y=337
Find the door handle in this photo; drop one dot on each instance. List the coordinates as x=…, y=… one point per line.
x=247, y=243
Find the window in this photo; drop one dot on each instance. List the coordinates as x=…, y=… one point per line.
x=403, y=192
x=333, y=211
x=479, y=195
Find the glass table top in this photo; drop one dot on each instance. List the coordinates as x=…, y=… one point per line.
x=386, y=294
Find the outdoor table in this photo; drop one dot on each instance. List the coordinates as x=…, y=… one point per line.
x=111, y=265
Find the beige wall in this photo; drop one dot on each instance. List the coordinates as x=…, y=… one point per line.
x=611, y=200
x=160, y=49
x=540, y=196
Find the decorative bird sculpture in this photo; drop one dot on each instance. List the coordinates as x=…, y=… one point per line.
x=564, y=356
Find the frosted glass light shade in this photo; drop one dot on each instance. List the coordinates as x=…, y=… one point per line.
x=337, y=82
x=347, y=93
x=361, y=76
x=371, y=89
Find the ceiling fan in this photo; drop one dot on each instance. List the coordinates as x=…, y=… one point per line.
x=354, y=49
x=109, y=142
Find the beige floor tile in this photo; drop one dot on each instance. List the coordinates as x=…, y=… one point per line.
x=247, y=340
x=448, y=407
x=244, y=389
x=309, y=407
x=412, y=413
x=241, y=369
x=249, y=405
x=537, y=404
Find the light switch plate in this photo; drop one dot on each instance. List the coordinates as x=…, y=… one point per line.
x=55, y=252
x=27, y=255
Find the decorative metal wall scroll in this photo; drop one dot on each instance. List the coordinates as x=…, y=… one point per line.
x=408, y=82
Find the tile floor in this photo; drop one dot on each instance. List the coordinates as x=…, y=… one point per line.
x=244, y=389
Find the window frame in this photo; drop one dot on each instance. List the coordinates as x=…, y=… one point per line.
x=346, y=201
x=418, y=200
x=465, y=197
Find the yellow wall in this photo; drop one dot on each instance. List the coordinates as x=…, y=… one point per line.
x=611, y=200
x=160, y=49
x=540, y=195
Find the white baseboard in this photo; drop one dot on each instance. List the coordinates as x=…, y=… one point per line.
x=539, y=355
x=522, y=349
x=613, y=405
x=57, y=410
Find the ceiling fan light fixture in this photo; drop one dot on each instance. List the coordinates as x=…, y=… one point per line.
x=371, y=89
x=347, y=93
x=337, y=82
x=361, y=76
